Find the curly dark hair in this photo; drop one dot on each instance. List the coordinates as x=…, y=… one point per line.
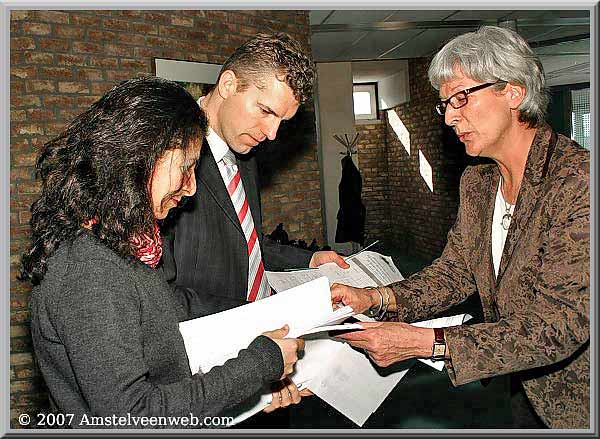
x=101, y=165
x=273, y=53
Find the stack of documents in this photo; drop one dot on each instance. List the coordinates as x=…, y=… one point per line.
x=367, y=269
x=342, y=376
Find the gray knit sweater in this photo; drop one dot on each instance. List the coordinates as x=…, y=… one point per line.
x=106, y=337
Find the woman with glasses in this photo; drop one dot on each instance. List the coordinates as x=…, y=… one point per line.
x=104, y=322
x=520, y=241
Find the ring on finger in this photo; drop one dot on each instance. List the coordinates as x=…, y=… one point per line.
x=280, y=396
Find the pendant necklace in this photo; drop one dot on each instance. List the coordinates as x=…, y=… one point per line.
x=507, y=217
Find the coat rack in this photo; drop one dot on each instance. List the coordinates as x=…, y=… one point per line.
x=348, y=144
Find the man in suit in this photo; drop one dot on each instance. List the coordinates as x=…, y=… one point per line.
x=215, y=254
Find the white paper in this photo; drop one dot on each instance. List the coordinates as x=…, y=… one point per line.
x=441, y=322
x=306, y=309
x=367, y=269
x=345, y=378
x=302, y=308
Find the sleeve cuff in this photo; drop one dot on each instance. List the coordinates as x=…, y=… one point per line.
x=268, y=355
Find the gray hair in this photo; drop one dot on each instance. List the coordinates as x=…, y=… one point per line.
x=491, y=54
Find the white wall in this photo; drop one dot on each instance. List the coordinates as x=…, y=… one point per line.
x=393, y=90
x=335, y=113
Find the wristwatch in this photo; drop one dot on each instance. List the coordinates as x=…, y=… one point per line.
x=439, y=345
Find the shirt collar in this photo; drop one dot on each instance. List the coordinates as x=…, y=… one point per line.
x=218, y=146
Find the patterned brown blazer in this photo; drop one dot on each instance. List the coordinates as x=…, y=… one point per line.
x=537, y=311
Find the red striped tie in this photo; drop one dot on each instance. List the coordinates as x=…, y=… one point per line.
x=258, y=287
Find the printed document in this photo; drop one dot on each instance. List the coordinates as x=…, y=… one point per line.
x=367, y=269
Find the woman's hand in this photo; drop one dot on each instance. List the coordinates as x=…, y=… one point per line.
x=360, y=299
x=289, y=348
x=285, y=393
x=391, y=342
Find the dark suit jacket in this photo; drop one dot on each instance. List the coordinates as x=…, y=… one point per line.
x=205, y=252
x=537, y=310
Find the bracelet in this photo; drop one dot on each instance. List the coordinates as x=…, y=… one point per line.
x=374, y=314
x=387, y=303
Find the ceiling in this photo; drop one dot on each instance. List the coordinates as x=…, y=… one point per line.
x=560, y=38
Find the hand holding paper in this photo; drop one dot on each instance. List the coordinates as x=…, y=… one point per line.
x=289, y=348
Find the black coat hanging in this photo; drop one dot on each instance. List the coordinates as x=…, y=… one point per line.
x=352, y=213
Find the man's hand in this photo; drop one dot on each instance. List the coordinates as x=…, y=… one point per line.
x=322, y=257
x=390, y=342
x=289, y=348
x=360, y=299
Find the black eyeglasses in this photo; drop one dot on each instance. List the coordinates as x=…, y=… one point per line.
x=459, y=99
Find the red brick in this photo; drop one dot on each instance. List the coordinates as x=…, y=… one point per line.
x=52, y=16
x=26, y=128
x=21, y=15
x=17, y=88
x=25, y=101
x=36, y=28
x=16, y=58
x=101, y=35
x=87, y=47
x=56, y=72
x=54, y=128
x=32, y=86
x=38, y=114
x=132, y=39
x=118, y=50
x=134, y=64
x=116, y=24
x=86, y=20
x=73, y=87
x=68, y=59
x=149, y=52
x=86, y=101
x=59, y=101
x=21, y=202
x=18, y=116
x=39, y=58
x=182, y=21
x=68, y=31
x=157, y=17
x=99, y=88
x=104, y=62
x=54, y=44
x=22, y=43
x=29, y=187
x=68, y=114
x=128, y=13
x=23, y=72
x=119, y=75
x=21, y=173
x=89, y=74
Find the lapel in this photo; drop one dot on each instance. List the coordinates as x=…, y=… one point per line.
x=536, y=169
x=490, y=179
x=211, y=181
x=247, y=167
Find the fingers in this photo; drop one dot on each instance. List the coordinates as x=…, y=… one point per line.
x=292, y=390
x=306, y=392
x=286, y=395
x=278, y=333
x=340, y=261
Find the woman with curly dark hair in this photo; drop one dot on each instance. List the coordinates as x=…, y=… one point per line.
x=104, y=322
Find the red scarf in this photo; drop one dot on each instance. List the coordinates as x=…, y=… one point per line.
x=147, y=249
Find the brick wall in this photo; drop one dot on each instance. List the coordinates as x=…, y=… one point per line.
x=373, y=164
x=62, y=61
x=420, y=219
